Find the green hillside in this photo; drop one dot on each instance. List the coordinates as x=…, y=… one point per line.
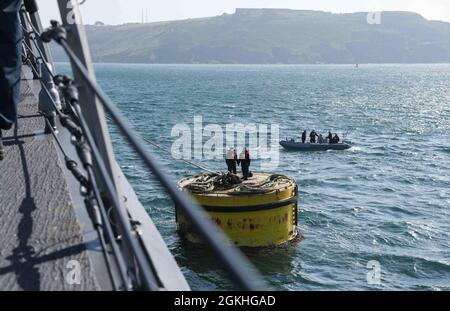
x=267, y=36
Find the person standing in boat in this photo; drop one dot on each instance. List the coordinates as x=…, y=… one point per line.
x=330, y=137
x=244, y=160
x=304, y=137
x=231, y=160
x=312, y=137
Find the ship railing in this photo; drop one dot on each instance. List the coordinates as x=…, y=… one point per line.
x=83, y=115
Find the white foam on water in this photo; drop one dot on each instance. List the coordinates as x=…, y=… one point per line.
x=356, y=149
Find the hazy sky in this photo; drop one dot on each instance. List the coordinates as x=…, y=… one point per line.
x=123, y=11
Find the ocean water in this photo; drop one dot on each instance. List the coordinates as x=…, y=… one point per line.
x=387, y=199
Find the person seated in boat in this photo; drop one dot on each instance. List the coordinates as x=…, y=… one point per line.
x=304, y=136
x=231, y=160
x=320, y=139
x=336, y=139
x=330, y=137
x=312, y=137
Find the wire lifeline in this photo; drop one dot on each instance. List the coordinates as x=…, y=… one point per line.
x=40, y=57
x=92, y=203
x=35, y=32
x=138, y=254
x=105, y=214
x=237, y=266
x=66, y=122
x=62, y=118
x=105, y=217
x=70, y=126
x=123, y=221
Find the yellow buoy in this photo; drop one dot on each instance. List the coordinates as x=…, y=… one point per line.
x=258, y=212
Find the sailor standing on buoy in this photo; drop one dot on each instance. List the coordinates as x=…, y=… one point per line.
x=244, y=160
x=231, y=160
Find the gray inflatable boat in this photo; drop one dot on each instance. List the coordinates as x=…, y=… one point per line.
x=293, y=145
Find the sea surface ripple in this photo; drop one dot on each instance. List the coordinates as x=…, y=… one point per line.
x=386, y=199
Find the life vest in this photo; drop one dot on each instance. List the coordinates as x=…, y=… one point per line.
x=230, y=154
x=242, y=155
